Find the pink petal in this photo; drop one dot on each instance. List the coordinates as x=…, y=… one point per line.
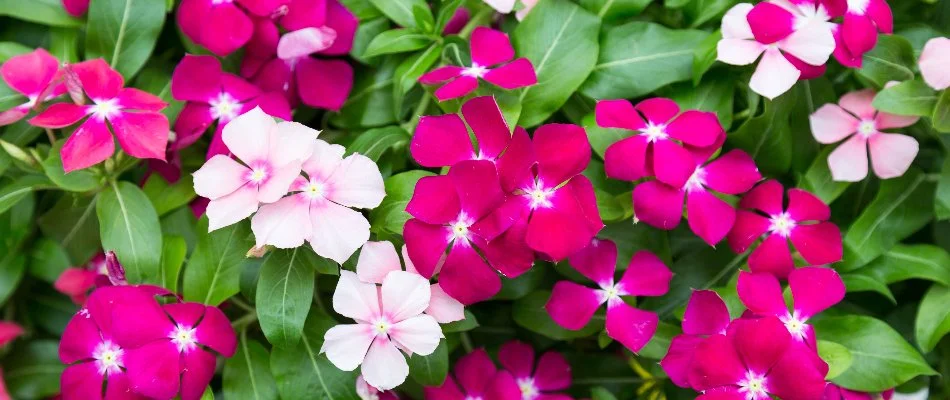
x=82, y=381
x=354, y=298
x=859, y=103
x=337, y=231
x=153, y=369
x=515, y=166
x=708, y=216
x=697, y=128
x=273, y=103
x=12, y=115
x=263, y=45
x=404, y=295
x=474, y=371
x=760, y=342
x=99, y=80
x=346, y=345
x=192, y=122
x=562, y=150
x=748, y=228
x=766, y=197
x=672, y=163
x=440, y=141
x=679, y=358
x=518, y=358
x=572, y=305
x=722, y=393
x=142, y=135
x=562, y=229
x=324, y=159
x=441, y=74
x=466, y=277
x=476, y=183
x=30, y=73
x=831, y=123
x=887, y=121
x=841, y=52
x=706, y=314
x=341, y=20
x=815, y=289
x=818, y=244
x=516, y=74
x=73, y=282
x=377, y=259
x=420, y=334
x=849, y=161
x=770, y=22
x=738, y=51
x=772, y=256
x=509, y=253
x=880, y=13
x=444, y=308
x=225, y=29
x=732, y=173
x=617, y=114
x=197, y=371
x=357, y=182
x=324, y=83
x=488, y=124
x=230, y=209
x=933, y=61
x=76, y=8
x=191, y=16
x=807, y=70
x=449, y=390
x=134, y=99
x=646, y=275
x=79, y=340
x=215, y=331
x=658, y=110
x=305, y=41
x=794, y=377
x=89, y=145
x=185, y=314
x=716, y=363
x=8, y=332
x=435, y=200
x=503, y=386
x=859, y=33
x=626, y=159
x=458, y=87
x=774, y=75
x=892, y=154
x=60, y=115
x=490, y=47
x=804, y=206
x=305, y=13
x=761, y=293
x=597, y=261
x=247, y=136
x=553, y=373
x=196, y=78
x=219, y=177
x=263, y=8
x=630, y=326
x=239, y=88
x=658, y=205
x=426, y=245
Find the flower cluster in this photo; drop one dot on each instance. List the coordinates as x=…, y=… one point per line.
x=123, y=341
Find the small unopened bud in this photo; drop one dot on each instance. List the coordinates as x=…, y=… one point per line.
x=73, y=85
x=18, y=153
x=114, y=270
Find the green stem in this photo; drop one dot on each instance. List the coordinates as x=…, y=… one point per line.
x=466, y=342
x=240, y=303
x=244, y=321
x=51, y=136
x=482, y=17
x=417, y=114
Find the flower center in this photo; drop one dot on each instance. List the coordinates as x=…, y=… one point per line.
x=315, y=190
x=108, y=357
x=459, y=228
x=654, y=132
x=610, y=292
x=184, y=338
x=528, y=390
x=858, y=7
x=696, y=181
x=867, y=128
x=795, y=325
x=382, y=326
x=753, y=386
x=475, y=71
x=224, y=107
x=539, y=195
x=782, y=224
x=259, y=173
x=105, y=109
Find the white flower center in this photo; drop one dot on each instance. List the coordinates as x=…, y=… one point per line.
x=105, y=109
x=459, y=229
x=795, y=324
x=539, y=195
x=528, y=390
x=610, y=292
x=382, y=326
x=867, y=128
x=315, y=190
x=259, y=173
x=108, y=357
x=753, y=386
x=184, y=338
x=475, y=71
x=859, y=7
x=696, y=181
x=782, y=224
x=224, y=107
x=654, y=132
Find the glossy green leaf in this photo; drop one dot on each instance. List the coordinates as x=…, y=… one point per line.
x=615, y=10
x=891, y=60
x=817, y=179
x=942, y=197
x=301, y=368
x=124, y=32
x=715, y=94
x=166, y=197
x=705, y=56
x=371, y=101
x=10, y=49
x=466, y=324
x=391, y=214
x=375, y=142
x=933, y=317
x=33, y=369
x=446, y=12
x=72, y=222
x=174, y=250
x=907, y=98
x=903, y=262
x=365, y=33
x=430, y=370
x=400, y=11
x=838, y=357
x=247, y=375
x=941, y=115
x=213, y=271
x=767, y=137
x=64, y=44
x=396, y=41
x=44, y=12
x=13, y=192
x=856, y=282
x=82, y=180
x=529, y=313
x=129, y=226
x=48, y=260
x=284, y=294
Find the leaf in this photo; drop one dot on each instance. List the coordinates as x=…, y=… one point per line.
x=599, y=393
x=302, y=369
x=817, y=179
x=247, y=375
x=284, y=293
x=82, y=180
x=129, y=226
x=891, y=60
x=156, y=78
x=466, y=324
x=362, y=9
x=165, y=197
x=838, y=357
x=856, y=282
x=423, y=18
x=615, y=10
x=882, y=359
x=20, y=188
x=365, y=33
x=560, y=40
x=44, y=12
x=529, y=313
x=48, y=260
x=602, y=138
x=941, y=115
x=811, y=94
x=702, y=11
x=901, y=207
x=174, y=250
x=430, y=370
x=705, y=55
x=213, y=271
x=659, y=344
x=444, y=15
x=64, y=44
x=72, y=222
x=396, y=41
x=124, y=32
x=371, y=102
x=400, y=11
x=903, y=262
x=12, y=266
x=907, y=98
x=391, y=214
x=375, y=142
x=767, y=137
x=9, y=50
x=933, y=317
x=640, y=57
x=516, y=288
x=942, y=198
x=408, y=72
x=33, y=369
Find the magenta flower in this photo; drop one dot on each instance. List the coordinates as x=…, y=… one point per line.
x=132, y=114
x=552, y=374
x=668, y=144
x=710, y=217
x=804, y=221
x=835, y=392
x=76, y=283
x=223, y=26
x=8, y=332
x=211, y=96
x=491, y=53
x=271, y=156
x=283, y=63
x=572, y=305
x=318, y=209
x=443, y=140
x=706, y=314
x=76, y=8
x=475, y=377
x=462, y=212
x=814, y=289
x=933, y=61
x=858, y=32
x=32, y=75
x=548, y=198
x=891, y=154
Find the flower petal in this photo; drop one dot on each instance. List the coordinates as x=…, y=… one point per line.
x=478, y=188
x=617, y=114
x=142, y=135
x=404, y=295
x=804, y=206
x=60, y=115
x=859, y=103
x=197, y=371
x=761, y=293
x=426, y=245
x=859, y=33
x=247, y=136
x=673, y=164
x=490, y=47
x=89, y=145
x=154, y=369
x=324, y=83
x=747, y=228
x=346, y=345
x=80, y=338
x=774, y=75
x=716, y=363
x=81, y=381
x=441, y=74
x=735, y=24
x=706, y=314
x=630, y=326
x=196, y=78
x=732, y=173
x=562, y=229
x=518, y=358
x=516, y=74
x=770, y=22
x=419, y=334
x=357, y=182
x=305, y=41
x=766, y=197
x=811, y=44
x=888, y=121
x=488, y=124
x=626, y=159
x=831, y=123
x=99, y=80
x=458, y=87
x=658, y=110
x=709, y=217
x=933, y=61
x=444, y=308
x=760, y=342
x=696, y=128
x=679, y=358
x=597, y=261
x=738, y=51
x=772, y=256
x=449, y=390
x=435, y=200
x=849, y=161
x=572, y=305
x=553, y=373
x=30, y=73
x=466, y=277
x=345, y=23
x=284, y=224
x=658, y=205
x=794, y=377
x=815, y=289
x=225, y=29
x=377, y=259
x=474, y=371
x=818, y=244
x=219, y=177
x=892, y=154
x=355, y=299
x=230, y=209
x=440, y=141
x=646, y=275
x=292, y=141
x=337, y=231
x=324, y=160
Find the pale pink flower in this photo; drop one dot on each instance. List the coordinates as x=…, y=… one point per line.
x=507, y=6
x=934, y=61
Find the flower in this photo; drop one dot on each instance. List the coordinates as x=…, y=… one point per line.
x=388, y=318
x=223, y=26
x=862, y=21
x=462, y=212
x=572, y=305
x=814, y=289
x=710, y=217
x=318, y=208
x=551, y=203
x=75, y=283
x=933, y=61
x=668, y=144
x=443, y=140
x=706, y=314
x=891, y=154
x=132, y=114
x=804, y=222
x=32, y=75
x=378, y=259
x=490, y=48
x=786, y=37
x=457, y=22
x=272, y=156
x=8, y=332
x=475, y=377
x=366, y=392
x=76, y=8
x=553, y=373
x=283, y=63
x=211, y=96
x=507, y=6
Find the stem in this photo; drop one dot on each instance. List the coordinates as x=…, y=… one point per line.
x=417, y=114
x=240, y=303
x=244, y=321
x=51, y=136
x=466, y=342
x=480, y=18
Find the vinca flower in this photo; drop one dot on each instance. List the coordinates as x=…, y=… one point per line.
x=552, y=374
x=442, y=141
x=933, y=63
x=223, y=26
x=475, y=377
x=706, y=314
x=33, y=75
x=859, y=29
x=76, y=8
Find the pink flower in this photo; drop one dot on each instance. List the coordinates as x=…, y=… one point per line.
x=572, y=305
x=457, y=22
x=475, y=377
x=223, y=26
x=804, y=221
x=215, y=96
x=858, y=32
x=132, y=114
x=933, y=63
x=367, y=392
x=8, y=332
x=834, y=392
x=710, y=217
x=272, y=155
x=814, y=289
x=32, y=75
x=388, y=318
x=668, y=144
x=789, y=39
x=443, y=140
x=378, y=259
x=891, y=154
x=283, y=63
x=75, y=283
x=706, y=314
x=490, y=48
x=318, y=210
x=553, y=373
x=76, y=8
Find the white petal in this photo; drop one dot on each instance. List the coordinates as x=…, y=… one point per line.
x=232, y=208
x=892, y=154
x=247, y=136
x=443, y=307
x=407, y=261
x=812, y=43
x=278, y=184
x=419, y=334
x=774, y=75
x=323, y=160
x=355, y=299
x=384, y=366
x=405, y=295
x=738, y=51
x=346, y=345
x=219, y=176
x=356, y=182
x=284, y=224
x=831, y=123
x=337, y=231
x=849, y=162
x=377, y=259
x=293, y=142
x=735, y=24
x=502, y=6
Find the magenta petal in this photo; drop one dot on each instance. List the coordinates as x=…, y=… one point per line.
x=794, y=377
x=262, y=46
x=185, y=314
x=305, y=13
x=487, y=122
x=225, y=29
x=766, y=197
x=748, y=228
x=807, y=70
x=440, y=75
x=818, y=244
x=723, y=393
x=89, y=145
x=815, y=289
x=859, y=33
x=474, y=371
x=562, y=150
x=99, y=80
x=617, y=114
x=341, y=20
x=597, y=261
x=516, y=74
x=76, y=8
x=772, y=256
x=706, y=314
x=60, y=115
x=119, y=388
x=761, y=293
x=503, y=386
x=154, y=369
x=324, y=83
x=626, y=159
x=215, y=331
x=760, y=342
x=263, y=8
x=509, y=253
x=880, y=13
x=426, y=245
x=697, y=128
x=80, y=339
x=434, y=200
x=30, y=73
x=770, y=22
x=490, y=47
x=478, y=188
x=198, y=369
x=449, y=390
x=672, y=163
x=658, y=205
x=466, y=277
x=196, y=78
x=192, y=122
x=142, y=135
x=572, y=305
x=732, y=173
x=458, y=87
x=716, y=363
x=841, y=52
x=630, y=326
x=134, y=99
x=804, y=206
x=679, y=358
x=583, y=190
x=8, y=332
x=514, y=211
x=518, y=358
x=553, y=373
x=191, y=17
x=272, y=103
x=658, y=110
x=82, y=381
x=515, y=166
x=709, y=217
x=152, y=323
x=440, y=141
x=562, y=229
x=646, y=275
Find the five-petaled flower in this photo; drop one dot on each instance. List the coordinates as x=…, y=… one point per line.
x=475, y=377
x=706, y=314
x=223, y=26
x=858, y=31
x=34, y=75
x=443, y=140
x=551, y=375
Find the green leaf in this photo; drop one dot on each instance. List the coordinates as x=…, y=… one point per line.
x=942, y=198
x=702, y=11
x=365, y=33
x=423, y=17
x=891, y=60
x=430, y=370
x=560, y=39
x=284, y=294
x=882, y=359
x=933, y=317
x=391, y=214
x=811, y=95
x=640, y=57
x=444, y=15
x=363, y=9
x=129, y=226
x=615, y=10
x=124, y=32
x=64, y=44
x=599, y=393
x=409, y=71
x=907, y=98
x=768, y=137
x=82, y=180
x=396, y=41
x=901, y=207
x=466, y=324
x=48, y=260
x=20, y=188
x=247, y=375
x=174, y=250
x=72, y=222
x=32, y=370
x=156, y=78
x=856, y=282
x=44, y=12
x=302, y=369
x=817, y=179
x=941, y=115
x=10, y=49
x=400, y=11
x=12, y=266
x=705, y=56
x=516, y=288
x=375, y=142
x=165, y=197
x=903, y=262
x=213, y=271
x=371, y=102
x=659, y=344
x=838, y=357
x=529, y=313
x=601, y=138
